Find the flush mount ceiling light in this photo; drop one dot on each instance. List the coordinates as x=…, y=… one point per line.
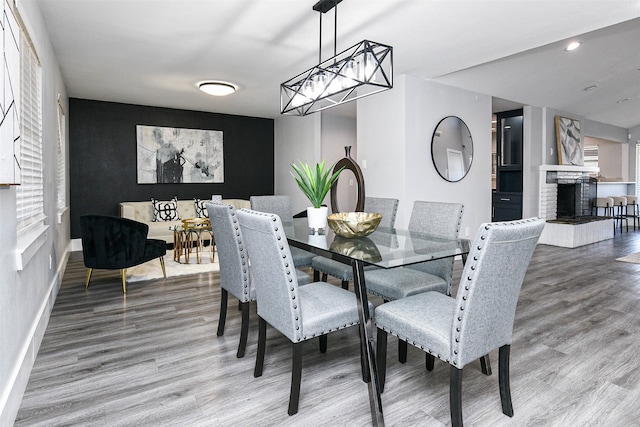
x=217, y=88
x=572, y=46
x=363, y=69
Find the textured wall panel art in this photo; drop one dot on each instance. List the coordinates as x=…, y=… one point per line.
x=9, y=97
x=569, y=142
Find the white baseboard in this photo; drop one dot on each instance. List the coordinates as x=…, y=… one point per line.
x=76, y=245
x=10, y=402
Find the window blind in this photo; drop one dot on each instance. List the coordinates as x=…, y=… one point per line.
x=62, y=171
x=30, y=192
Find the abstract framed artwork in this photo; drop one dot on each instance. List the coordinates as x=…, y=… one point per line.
x=569, y=141
x=176, y=155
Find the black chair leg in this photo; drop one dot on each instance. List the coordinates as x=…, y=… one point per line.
x=296, y=377
x=316, y=276
x=244, y=329
x=430, y=360
x=345, y=285
x=262, y=343
x=402, y=351
x=381, y=357
x=224, y=296
x=503, y=380
x=323, y=343
x=485, y=364
x=324, y=277
x=455, y=396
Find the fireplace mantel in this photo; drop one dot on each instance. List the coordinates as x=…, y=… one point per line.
x=569, y=168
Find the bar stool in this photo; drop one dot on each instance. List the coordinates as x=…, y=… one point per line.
x=632, y=202
x=620, y=210
x=605, y=203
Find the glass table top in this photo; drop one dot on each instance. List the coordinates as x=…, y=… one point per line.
x=385, y=247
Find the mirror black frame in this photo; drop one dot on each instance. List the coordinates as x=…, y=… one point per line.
x=458, y=143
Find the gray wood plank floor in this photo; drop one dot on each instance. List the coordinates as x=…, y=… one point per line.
x=153, y=357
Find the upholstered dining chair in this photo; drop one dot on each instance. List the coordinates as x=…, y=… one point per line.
x=281, y=206
x=235, y=273
x=433, y=218
x=479, y=320
x=385, y=206
x=300, y=313
x=115, y=243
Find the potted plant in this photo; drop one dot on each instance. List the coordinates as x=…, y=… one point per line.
x=315, y=183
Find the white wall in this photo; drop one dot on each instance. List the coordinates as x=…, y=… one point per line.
x=394, y=141
x=311, y=139
x=27, y=296
x=338, y=131
x=533, y=156
x=296, y=139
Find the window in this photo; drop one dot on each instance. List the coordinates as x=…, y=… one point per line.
x=591, y=156
x=30, y=192
x=637, y=170
x=62, y=170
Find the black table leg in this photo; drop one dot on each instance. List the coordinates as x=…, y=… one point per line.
x=366, y=335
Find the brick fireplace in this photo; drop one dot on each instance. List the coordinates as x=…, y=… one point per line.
x=566, y=195
x=567, y=187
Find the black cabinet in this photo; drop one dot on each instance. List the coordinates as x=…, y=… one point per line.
x=506, y=206
x=507, y=197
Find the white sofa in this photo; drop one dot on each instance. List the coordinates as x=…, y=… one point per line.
x=143, y=212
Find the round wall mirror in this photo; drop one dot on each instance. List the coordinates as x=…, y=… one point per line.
x=452, y=148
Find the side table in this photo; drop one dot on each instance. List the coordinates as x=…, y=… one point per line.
x=192, y=234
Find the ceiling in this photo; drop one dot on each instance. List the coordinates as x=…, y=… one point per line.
x=154, y=52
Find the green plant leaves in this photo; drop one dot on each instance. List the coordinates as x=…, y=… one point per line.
x=316, y=182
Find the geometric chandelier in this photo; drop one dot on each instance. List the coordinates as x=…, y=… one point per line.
x=363, y=69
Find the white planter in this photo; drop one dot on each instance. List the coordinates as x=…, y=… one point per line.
x=317, y=218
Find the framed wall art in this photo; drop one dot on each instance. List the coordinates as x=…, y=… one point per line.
x=569, y=141
x=176, y=155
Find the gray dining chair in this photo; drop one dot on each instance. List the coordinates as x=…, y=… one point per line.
x=437, y=219
x=479, y=320
x=235, y=272
x=281, y=206
x=325, y=266
x=300, y=313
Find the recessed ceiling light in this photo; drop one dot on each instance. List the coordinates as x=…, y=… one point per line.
x=620, y=101
x=217, y=88
x=572, y=46
x=592, y=87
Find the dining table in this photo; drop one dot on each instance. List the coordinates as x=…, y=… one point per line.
x=384, y=248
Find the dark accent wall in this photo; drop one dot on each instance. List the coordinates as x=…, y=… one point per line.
x=102, y=156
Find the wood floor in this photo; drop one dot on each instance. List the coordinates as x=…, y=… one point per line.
x=153, y=358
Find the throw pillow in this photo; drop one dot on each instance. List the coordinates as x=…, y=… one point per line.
x=165, y=211
x=201, y=209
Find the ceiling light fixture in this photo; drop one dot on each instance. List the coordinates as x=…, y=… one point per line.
x=363, y=69
x=217, y=88
x=572, y=46
x=590, y=88
x=620, y=101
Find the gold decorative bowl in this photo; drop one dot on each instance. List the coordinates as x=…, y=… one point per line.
x=354, y=224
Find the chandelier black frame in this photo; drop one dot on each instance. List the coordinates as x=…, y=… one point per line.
x=363, y=69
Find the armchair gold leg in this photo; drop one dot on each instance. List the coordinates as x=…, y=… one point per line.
x=86, y=281
x=164, y=272
x=123, y=273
